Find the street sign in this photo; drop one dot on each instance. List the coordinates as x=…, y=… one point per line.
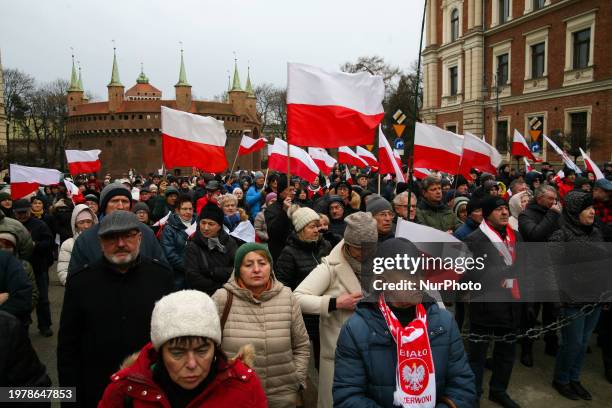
x=399, y=129
x=399, y=116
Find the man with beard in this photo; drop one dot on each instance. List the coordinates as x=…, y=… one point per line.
x=107, y=308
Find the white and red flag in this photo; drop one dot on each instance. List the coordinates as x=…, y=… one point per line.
x=83, y=161
x=438, y=149
x=367, y=156
x=192, y=140
x=566, y=159
x=332, y=108
x=301, y=163
x=389, y=162
x=250, y=145
x=73, y=192
x=478, y=154
x=163, y=220
x=528, y=167
x=520, y=146
x=347, y=156
x=421, y=173
x=322, y=159
x=25, y=180
x=559, y=176
x=591, y=166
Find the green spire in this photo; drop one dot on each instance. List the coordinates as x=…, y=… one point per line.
x=74, y=80
x=182, y=75
x=249, y=86
x=80, y=79
x=142, y=78
x=236, y=83
x=115, y=81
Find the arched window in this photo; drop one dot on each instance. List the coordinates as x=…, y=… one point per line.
x=454, y=25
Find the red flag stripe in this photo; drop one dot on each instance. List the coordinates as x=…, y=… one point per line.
x=84, y=167
x=183, y=153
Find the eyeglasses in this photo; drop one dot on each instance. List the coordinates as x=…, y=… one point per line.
x=124, y=236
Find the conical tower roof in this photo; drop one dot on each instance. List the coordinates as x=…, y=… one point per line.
x=80, y=79
x=182, y=74
x=74, y=79
x=249, y=86
x=142, y=78
x=115, y=81
x=236, y=82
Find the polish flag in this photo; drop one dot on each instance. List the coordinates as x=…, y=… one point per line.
x=520, y=146
x=332, y=108
x=302, y=164
x=478, y=154
x=192, y=140
x=250, y=145
x=367, y=156
x=528, y=167
x=73, y=192
x=83, y=161
x=389, y=162
x=25, y=180
x=163, y=221
x=566, y=159
x=559, y=176
x=435, y=148
x=322, y=159
x=347, y=156
x=591, y=166
x=421, y=173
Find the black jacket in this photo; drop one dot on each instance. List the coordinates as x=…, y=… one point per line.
x=483, y=311
x=537, y=223
x=19, y=364
x=298, y=259
x=42, y=256
x=61, y=220
x=205, y=269
x=279, y=227
x=106, y=316
x=15, y=282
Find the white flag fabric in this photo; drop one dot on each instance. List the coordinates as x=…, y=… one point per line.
x=163, y=221
x=568, y=162
x=322, y=159
x=25, y=179
x=244, y=231
x=591, y=165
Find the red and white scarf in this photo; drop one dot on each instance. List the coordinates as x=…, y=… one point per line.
x=415, y=377
x=507, y=249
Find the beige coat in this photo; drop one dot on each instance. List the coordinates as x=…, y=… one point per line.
x=332, y=278
x=273, y=324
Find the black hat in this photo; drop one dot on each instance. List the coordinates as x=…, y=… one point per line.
x=110, y=191
x=473, y=205
x=118, y=221
x=334, y=199
x=282, y=183
x=576, y=201
x=92, y=197
x=344, y=183
x=490, y=203
x=579, y=182
x=21, y=205
x=171, y=190
x=211, y=212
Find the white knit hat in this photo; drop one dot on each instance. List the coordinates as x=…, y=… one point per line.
x=302, y=216
x=184, y=313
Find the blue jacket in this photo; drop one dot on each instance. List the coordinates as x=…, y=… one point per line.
x=366, y=357
x=173, y=242
x=253, y=198
x=466, y=229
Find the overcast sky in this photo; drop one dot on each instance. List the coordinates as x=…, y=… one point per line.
x=36, y=36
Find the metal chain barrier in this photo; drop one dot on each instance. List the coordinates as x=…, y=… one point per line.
x=534, y=333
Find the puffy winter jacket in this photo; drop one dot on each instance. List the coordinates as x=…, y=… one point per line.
x=279, y=227
x=537, y=223
x=273, y=324
x=465, y=229
x=208, y=269
x=261, y=230
x=366, y=358
x=254, y=199
x=173, y=242
x=24, y=240
x=437, y=216
x=65, y=252
x=15, y=282
x=298, y=259
x=234, y=385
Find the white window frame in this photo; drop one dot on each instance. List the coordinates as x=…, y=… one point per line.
x=507, y=118
x=529, y=6
x=501, y=48
x=450, y=62
x=567, y=127
x=455, y=124
x=533, y=38
x=448, y=7
x=495, y=13
x=573, y=25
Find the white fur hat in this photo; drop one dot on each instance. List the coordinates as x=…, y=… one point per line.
x=185, y=313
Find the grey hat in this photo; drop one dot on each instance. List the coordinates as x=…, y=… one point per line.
x=360, y=228
x=140, y=206
x=110, y=191
x=377, y=204
x=171, y=190
x=257, y=174
x=213, y=185
x=604, y=184
x=21, y=205
x=118, y=221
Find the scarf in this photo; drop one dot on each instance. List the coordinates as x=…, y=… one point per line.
x=256, y=296
x=353, y=263
x=38, y=214
x=506, y=245
x=215, y=243
x=415, y=377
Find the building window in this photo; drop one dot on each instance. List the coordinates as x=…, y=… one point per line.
x=453, y=80
x=452, y=128
x=538, y=4
x=504, y=10
x=579, y=128
x=454, y=25
x=501, y=139
x=582, y=44
x=502, y=69
x=538, y=57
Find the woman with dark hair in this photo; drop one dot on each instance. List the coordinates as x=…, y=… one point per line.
x=184, y=364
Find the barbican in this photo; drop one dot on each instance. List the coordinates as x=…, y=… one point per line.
x=127, y=127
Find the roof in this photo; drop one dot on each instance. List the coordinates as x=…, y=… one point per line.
x=207, y=107
x=142, y=88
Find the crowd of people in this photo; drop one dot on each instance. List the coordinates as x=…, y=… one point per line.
x=165, y=304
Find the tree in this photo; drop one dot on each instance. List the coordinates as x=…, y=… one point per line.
x=271, y=104
x=17, y=85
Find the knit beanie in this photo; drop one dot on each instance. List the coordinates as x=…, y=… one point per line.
x=360, y=228
x=93, y=197
x=211, y=212
x=140, y=206
x=4, y=195
x=302, y=216
x=270, y=196
x=110, y=191
x=377, y=204
x=577, y=201
x=458, y=203
x=171, y=190
x=490, y=203
x=473, y=205
x=244, y=249
x=7, y=236
x=184, y=313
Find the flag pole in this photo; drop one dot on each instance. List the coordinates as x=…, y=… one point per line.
x=410, y=157
x=234, y=163
x=266, y=179
x=379, y=183
x=288, y=162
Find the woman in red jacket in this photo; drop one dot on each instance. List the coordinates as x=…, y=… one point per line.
x=183, y=365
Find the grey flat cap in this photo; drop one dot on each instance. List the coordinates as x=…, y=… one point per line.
x=118, y=221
